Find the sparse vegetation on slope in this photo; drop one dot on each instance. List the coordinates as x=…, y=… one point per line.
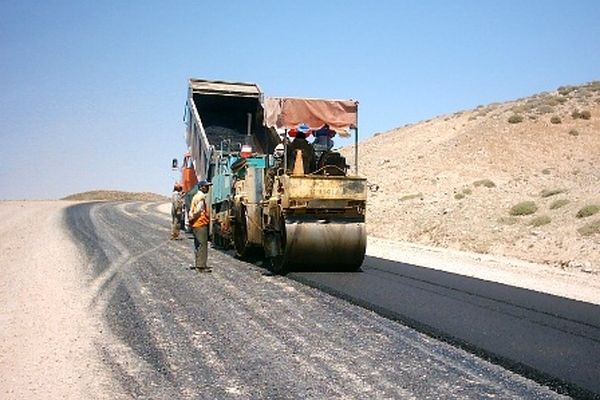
x=533, y=159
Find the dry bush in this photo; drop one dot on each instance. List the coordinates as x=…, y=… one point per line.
x=574, y=132
x=587, y=211
x=559, y=203
x=545, y=109
x=585, y=114
x=555, y=119
x=551, y=101
x=459, y=196
x=411, y=196
x=515, y=119
x=565, y=90
x=551, y=192
x=541, y=220
x=592, y=228
x=508, y=220
x=484, y=182
x=523, y=208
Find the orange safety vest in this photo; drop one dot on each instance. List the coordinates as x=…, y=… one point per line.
x=204, y=218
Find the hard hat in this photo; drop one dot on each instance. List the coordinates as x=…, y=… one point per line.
x=279, y=149
x=304, y=128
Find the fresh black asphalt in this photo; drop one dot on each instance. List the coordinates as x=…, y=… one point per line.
x=548, y=338
x=239, y=333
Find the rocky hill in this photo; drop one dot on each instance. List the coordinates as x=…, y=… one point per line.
x=520, y=178
x=115, y=195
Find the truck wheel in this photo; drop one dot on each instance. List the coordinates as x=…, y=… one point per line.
x=240, y=234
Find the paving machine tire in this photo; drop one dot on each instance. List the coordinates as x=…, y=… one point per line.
x=243, y=247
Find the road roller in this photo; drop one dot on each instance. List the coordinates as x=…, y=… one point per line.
x=281, y=191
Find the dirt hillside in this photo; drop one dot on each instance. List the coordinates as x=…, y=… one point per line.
x=519, y=179
x=115, y=195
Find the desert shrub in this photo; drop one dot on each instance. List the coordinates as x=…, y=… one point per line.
x=459, y=196
x=551, y=101
x=484, y=182
x=551, y=192
x=546, y=171
x=590, y=229
x=587, y=211
x=541, y=220
x=565, y=90
x=561, y=100
x=523, y=208
x=558, y=203
x=545, y=109
x=585, y=114
x=594, y=85
x=515, y=119
x=555, y=119
x=508, y=220
x=411, y=196
x=467, y=191
x=575, y=114
x=574, y=132
x=582, y=93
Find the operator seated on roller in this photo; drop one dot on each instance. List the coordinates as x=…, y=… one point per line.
x=300, y=143
x=274, y=170
x=323, y=137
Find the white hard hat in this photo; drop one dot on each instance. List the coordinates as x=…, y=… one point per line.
x=279, y=149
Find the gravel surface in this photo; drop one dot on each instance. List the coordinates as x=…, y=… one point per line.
x=47, y=334
x=121, y=315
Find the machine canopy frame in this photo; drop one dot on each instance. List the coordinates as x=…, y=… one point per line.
x=288, y=112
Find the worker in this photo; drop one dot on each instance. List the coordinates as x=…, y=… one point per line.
x=176, y=210
x=199, y=218
x=324, y=136
x=300, y=143
x=274, y=169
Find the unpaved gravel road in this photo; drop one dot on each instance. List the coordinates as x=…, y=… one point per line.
x=97, y=303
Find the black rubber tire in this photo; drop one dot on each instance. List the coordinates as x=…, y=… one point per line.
x=240, y=233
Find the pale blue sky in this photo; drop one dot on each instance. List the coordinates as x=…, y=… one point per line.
x=92, y=92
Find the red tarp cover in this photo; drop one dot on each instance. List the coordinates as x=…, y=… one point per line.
x=288, y=113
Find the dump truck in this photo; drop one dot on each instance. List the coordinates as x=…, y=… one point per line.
x=265, y=199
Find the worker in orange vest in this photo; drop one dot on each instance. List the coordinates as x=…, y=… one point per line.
x=199, y=218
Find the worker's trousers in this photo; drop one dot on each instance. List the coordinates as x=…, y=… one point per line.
x=175, y=224
x=201, y=245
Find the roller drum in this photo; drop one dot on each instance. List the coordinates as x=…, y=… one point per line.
x=324, y=244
